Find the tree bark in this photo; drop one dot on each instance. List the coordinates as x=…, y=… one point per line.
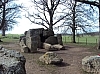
x=99, y=30
x=3, y=31
x=51, y=20
x=73, y=26
x=3, y=18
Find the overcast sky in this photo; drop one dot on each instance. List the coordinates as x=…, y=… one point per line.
x=24, y=24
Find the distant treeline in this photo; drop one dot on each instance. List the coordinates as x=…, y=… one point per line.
x=89, y=33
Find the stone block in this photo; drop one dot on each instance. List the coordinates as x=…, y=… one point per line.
x=58, y=47
x=55, y=47
x=32, y=32
x=25, y=49
x=23, y=41
x=59, y=38
x=48, y=33
x=12, y=62
x=33, y=46
x=46, y=46
x=51, y=40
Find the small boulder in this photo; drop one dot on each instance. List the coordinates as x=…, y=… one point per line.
x=58, y=47
x=46, y=46
x=55, y=47
x=50, y=58
x=91, y=64
x=49, y=47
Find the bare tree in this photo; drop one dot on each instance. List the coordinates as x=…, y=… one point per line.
x=47, y=13
x=81, y=17
x=97, y=4
x=9, y=13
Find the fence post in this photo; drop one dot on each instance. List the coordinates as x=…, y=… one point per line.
x=65, y=39
x=78, y=39
x=96, y=41
x=71, y=39
x=86, y=41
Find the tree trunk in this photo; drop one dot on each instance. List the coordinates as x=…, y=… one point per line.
x=99, y=30
x=73, y=26
x=51, y=27
x=3, y=31
x=51, y=20
x=3, y=18
x=73, y=41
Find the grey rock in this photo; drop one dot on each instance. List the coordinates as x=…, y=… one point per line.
x=48, y=33
x=12, y=62
x=51, y=40
x=36, y=38
x=58, y=47
x=1, y=47
x=59, y=38
x=50, y=58
x=21, y=38
x=25, y=49
x=3, y=50
x=47, y=46
x=91, y=64
x=50, y=47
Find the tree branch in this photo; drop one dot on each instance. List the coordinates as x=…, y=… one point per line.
x=89, y=2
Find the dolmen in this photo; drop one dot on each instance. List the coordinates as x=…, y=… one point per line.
x=40, y=38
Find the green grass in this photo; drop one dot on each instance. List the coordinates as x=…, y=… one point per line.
x=11, y=36
x=85, y=40
x=82, y=41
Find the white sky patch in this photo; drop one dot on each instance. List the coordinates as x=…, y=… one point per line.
x=24, y=23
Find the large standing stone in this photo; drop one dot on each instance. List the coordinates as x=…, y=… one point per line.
x=21, y=38
x=33, y=40
x=91, y=64
x=47, y=33
x=11, y=62
x=51, y=40
x=32, y=43
x=33, y=32
x=23, y=41
x=59, y=38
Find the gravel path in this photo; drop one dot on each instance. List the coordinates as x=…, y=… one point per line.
x=72, y=57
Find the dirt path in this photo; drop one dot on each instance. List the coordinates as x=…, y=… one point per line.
x=72, y=57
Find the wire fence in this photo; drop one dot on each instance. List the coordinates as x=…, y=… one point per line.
x=85, y=39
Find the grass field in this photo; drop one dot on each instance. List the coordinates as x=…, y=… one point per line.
x=10, y=37
x=85, y=40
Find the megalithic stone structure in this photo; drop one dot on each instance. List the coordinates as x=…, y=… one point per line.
x=34, y=38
